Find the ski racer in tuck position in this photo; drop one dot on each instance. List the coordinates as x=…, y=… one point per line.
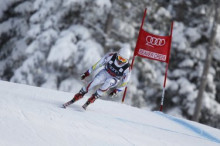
x=115, y=74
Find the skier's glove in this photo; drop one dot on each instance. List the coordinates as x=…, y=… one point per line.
x=114, y=93
x=86, y=74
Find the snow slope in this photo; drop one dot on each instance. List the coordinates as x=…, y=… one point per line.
x=32, y=116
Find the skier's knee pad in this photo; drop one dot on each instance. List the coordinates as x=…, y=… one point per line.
x=111, y=82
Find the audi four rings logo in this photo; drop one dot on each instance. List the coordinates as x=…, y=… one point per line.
x=153, y=41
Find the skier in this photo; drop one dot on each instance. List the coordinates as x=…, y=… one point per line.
x=116, y=70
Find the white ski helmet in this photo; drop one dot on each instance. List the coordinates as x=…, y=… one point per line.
x=124, y=52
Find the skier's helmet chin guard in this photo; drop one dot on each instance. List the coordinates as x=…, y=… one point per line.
x=123, y=55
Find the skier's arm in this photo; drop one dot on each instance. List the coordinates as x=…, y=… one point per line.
x=99, y=64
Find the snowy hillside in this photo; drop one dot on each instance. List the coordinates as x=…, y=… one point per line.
x=32, y=116
x=50, y=43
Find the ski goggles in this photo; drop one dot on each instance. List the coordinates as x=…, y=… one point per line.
x=121, y=59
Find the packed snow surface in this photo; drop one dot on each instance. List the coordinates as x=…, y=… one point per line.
x=32, y=116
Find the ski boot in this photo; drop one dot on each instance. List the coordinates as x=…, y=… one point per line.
x=91, y=100
x=75, y=98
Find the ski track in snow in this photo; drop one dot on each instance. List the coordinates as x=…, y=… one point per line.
x=191, y=127
x=151, y=126
x=33, y=116
x=29, y=125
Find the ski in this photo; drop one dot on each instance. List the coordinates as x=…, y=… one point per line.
x=67, y=103
x=85, y=105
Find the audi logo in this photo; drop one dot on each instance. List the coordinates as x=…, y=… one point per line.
x=153, y=41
